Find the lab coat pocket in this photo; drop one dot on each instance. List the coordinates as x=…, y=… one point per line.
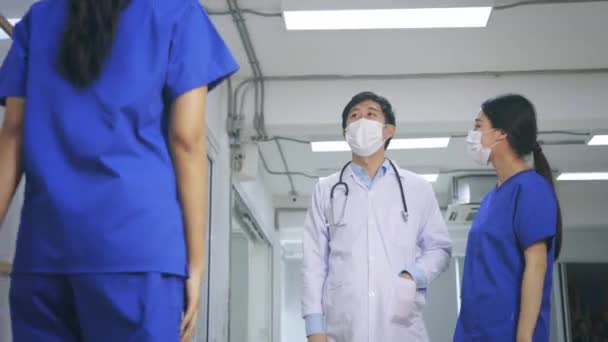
x=338, y=312
x=404, y=301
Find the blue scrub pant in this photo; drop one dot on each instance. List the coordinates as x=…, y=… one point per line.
x=121, y=307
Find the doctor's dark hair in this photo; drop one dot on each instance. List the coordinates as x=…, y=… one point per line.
x=88, y=38
x=515, y=116
x=387, y=109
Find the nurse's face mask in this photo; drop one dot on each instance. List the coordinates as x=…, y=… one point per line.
x=365, y=137
x=479, y=153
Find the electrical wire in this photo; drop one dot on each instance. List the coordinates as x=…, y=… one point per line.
x=539, y=2
x=245, y=10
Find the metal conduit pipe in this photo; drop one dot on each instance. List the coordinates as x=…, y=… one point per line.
x=258, y=86
x=255, y=65
x=438, y=75
x=238, y=20
x=539, y=2
x=6, y=26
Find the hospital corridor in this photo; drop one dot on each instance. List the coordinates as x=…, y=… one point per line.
x=304, y=171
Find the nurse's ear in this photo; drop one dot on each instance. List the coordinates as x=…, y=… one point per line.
x=501, y=135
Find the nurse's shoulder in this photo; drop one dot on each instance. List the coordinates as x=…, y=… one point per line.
x=173, y=9
x=533, y=184
x=41, y=9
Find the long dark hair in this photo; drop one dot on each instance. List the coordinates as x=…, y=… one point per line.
x=516, y=117
x=88, y=38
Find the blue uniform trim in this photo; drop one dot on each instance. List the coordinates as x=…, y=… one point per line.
x=315, y=324
x=419, y=277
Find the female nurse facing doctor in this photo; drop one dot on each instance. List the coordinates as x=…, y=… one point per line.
x=516, y=235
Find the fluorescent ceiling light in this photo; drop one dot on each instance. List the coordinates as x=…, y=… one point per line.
x=329, y=146
x=396, y=144
x=13, y=21
x=598, y=140
x=582, y=176
x=430, y=177
x=422, y=143
x=388, y=18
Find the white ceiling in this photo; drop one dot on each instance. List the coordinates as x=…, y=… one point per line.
x=558, y=36
x=530, y=37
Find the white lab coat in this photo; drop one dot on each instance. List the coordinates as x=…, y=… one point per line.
x=350, y=273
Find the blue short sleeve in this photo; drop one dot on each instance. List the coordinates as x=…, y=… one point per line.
x=13, y=73
x=198, y=54
x=536, y=214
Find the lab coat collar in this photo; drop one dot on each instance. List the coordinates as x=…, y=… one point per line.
x=389, y=170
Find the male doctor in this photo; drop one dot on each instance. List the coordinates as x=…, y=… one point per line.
x=371, y=250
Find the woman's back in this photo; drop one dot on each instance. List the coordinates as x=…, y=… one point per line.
x=100, y=178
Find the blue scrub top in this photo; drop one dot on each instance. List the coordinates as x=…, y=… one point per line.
x=101, y=190
x=511, y=218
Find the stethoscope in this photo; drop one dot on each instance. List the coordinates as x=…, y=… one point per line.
x=341, y=182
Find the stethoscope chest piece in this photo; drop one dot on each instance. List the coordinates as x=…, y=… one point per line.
x=405, y=215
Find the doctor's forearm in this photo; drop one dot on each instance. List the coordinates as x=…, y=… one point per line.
x=430, y=265
x=317, y=338
x=531, y=296
x=11, y=145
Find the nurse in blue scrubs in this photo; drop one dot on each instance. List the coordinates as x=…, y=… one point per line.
x=516, y=235
x=105, y=117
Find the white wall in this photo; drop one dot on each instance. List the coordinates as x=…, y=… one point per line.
x=240, y=276
x=292, y=325
x=313, y=108
x=258, y=199
x=220, y=219
x=261, y=293
x=441, y=311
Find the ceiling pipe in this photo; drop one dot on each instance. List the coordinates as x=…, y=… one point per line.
x=258, y=81
x=438, y=75
x=6, y=26
x=258, y=77
x=540, y=2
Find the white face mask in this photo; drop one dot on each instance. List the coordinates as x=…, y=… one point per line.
x=479, y=153
x=365, y=137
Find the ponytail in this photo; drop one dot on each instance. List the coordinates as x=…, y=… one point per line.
x=88, y=39
x=542, y=167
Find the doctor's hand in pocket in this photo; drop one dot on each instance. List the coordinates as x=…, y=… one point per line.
x=317, y=338
x=403, y=305
x=406, y=275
